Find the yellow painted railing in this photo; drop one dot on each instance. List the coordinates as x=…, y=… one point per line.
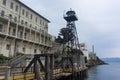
x=22, y=77
x=29, y=76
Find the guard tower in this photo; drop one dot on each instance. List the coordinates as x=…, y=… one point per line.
x=71, y=50
x=73, y=41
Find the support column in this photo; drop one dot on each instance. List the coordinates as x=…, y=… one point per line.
x=30, y=35
x=47, y=69
x=24, y=33
x=15, y=46
x=40, y=39
x=35, y=36
x=16, y=29
x=35, y=66
x=51, y=66
x=7, y=74
x=8, y=26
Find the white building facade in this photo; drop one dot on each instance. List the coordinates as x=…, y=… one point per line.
x=92, y=56
x=22, y=30
x=83, y=48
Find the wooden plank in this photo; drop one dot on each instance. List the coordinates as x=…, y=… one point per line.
x=2, y=77
x=22, y=77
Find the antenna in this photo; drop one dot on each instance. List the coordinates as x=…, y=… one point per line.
x=93, y=48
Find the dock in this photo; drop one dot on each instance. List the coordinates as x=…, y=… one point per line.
x=34, y=71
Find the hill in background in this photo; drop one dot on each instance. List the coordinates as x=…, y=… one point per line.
x=111, y=59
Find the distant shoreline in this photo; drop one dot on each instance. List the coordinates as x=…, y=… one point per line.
x=111, y=59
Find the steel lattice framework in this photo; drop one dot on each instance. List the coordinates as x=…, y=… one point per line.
x=72, y=36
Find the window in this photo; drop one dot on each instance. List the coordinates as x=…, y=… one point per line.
x=45, y=40
x=25, y=35
x=11, y=6
x=14, y=31
x=23, y=12
x=21, y=34
x=2, y=13
x=10, y=16
x=8, y=46
x=4, y=2
x=35, y=50
x=26, y=23
x=43, y=23
x=1, y=27
x=36, y=19
x=26, y=13
x=30, y=25
x=40, y=21
x=31, y=16
x=9, y=31
x=36, y=27
x=15, y=19
x=16, y=9
x=46, y=26
x=23, y=49
x=22, y=22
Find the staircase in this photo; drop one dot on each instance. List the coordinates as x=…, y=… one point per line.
x=21, y=58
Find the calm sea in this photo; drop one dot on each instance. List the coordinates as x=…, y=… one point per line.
x=104, y=72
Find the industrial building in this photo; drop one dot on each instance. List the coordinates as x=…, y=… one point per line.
x=22, y=30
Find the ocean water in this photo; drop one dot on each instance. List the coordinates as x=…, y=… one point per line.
x=104, y=72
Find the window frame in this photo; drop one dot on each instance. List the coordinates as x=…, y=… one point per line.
x=1, y=27
x=4, y=2
x=16, y=8
x=11, y=5
x=8, y=46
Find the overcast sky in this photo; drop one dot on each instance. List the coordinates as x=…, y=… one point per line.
x=98, y=24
